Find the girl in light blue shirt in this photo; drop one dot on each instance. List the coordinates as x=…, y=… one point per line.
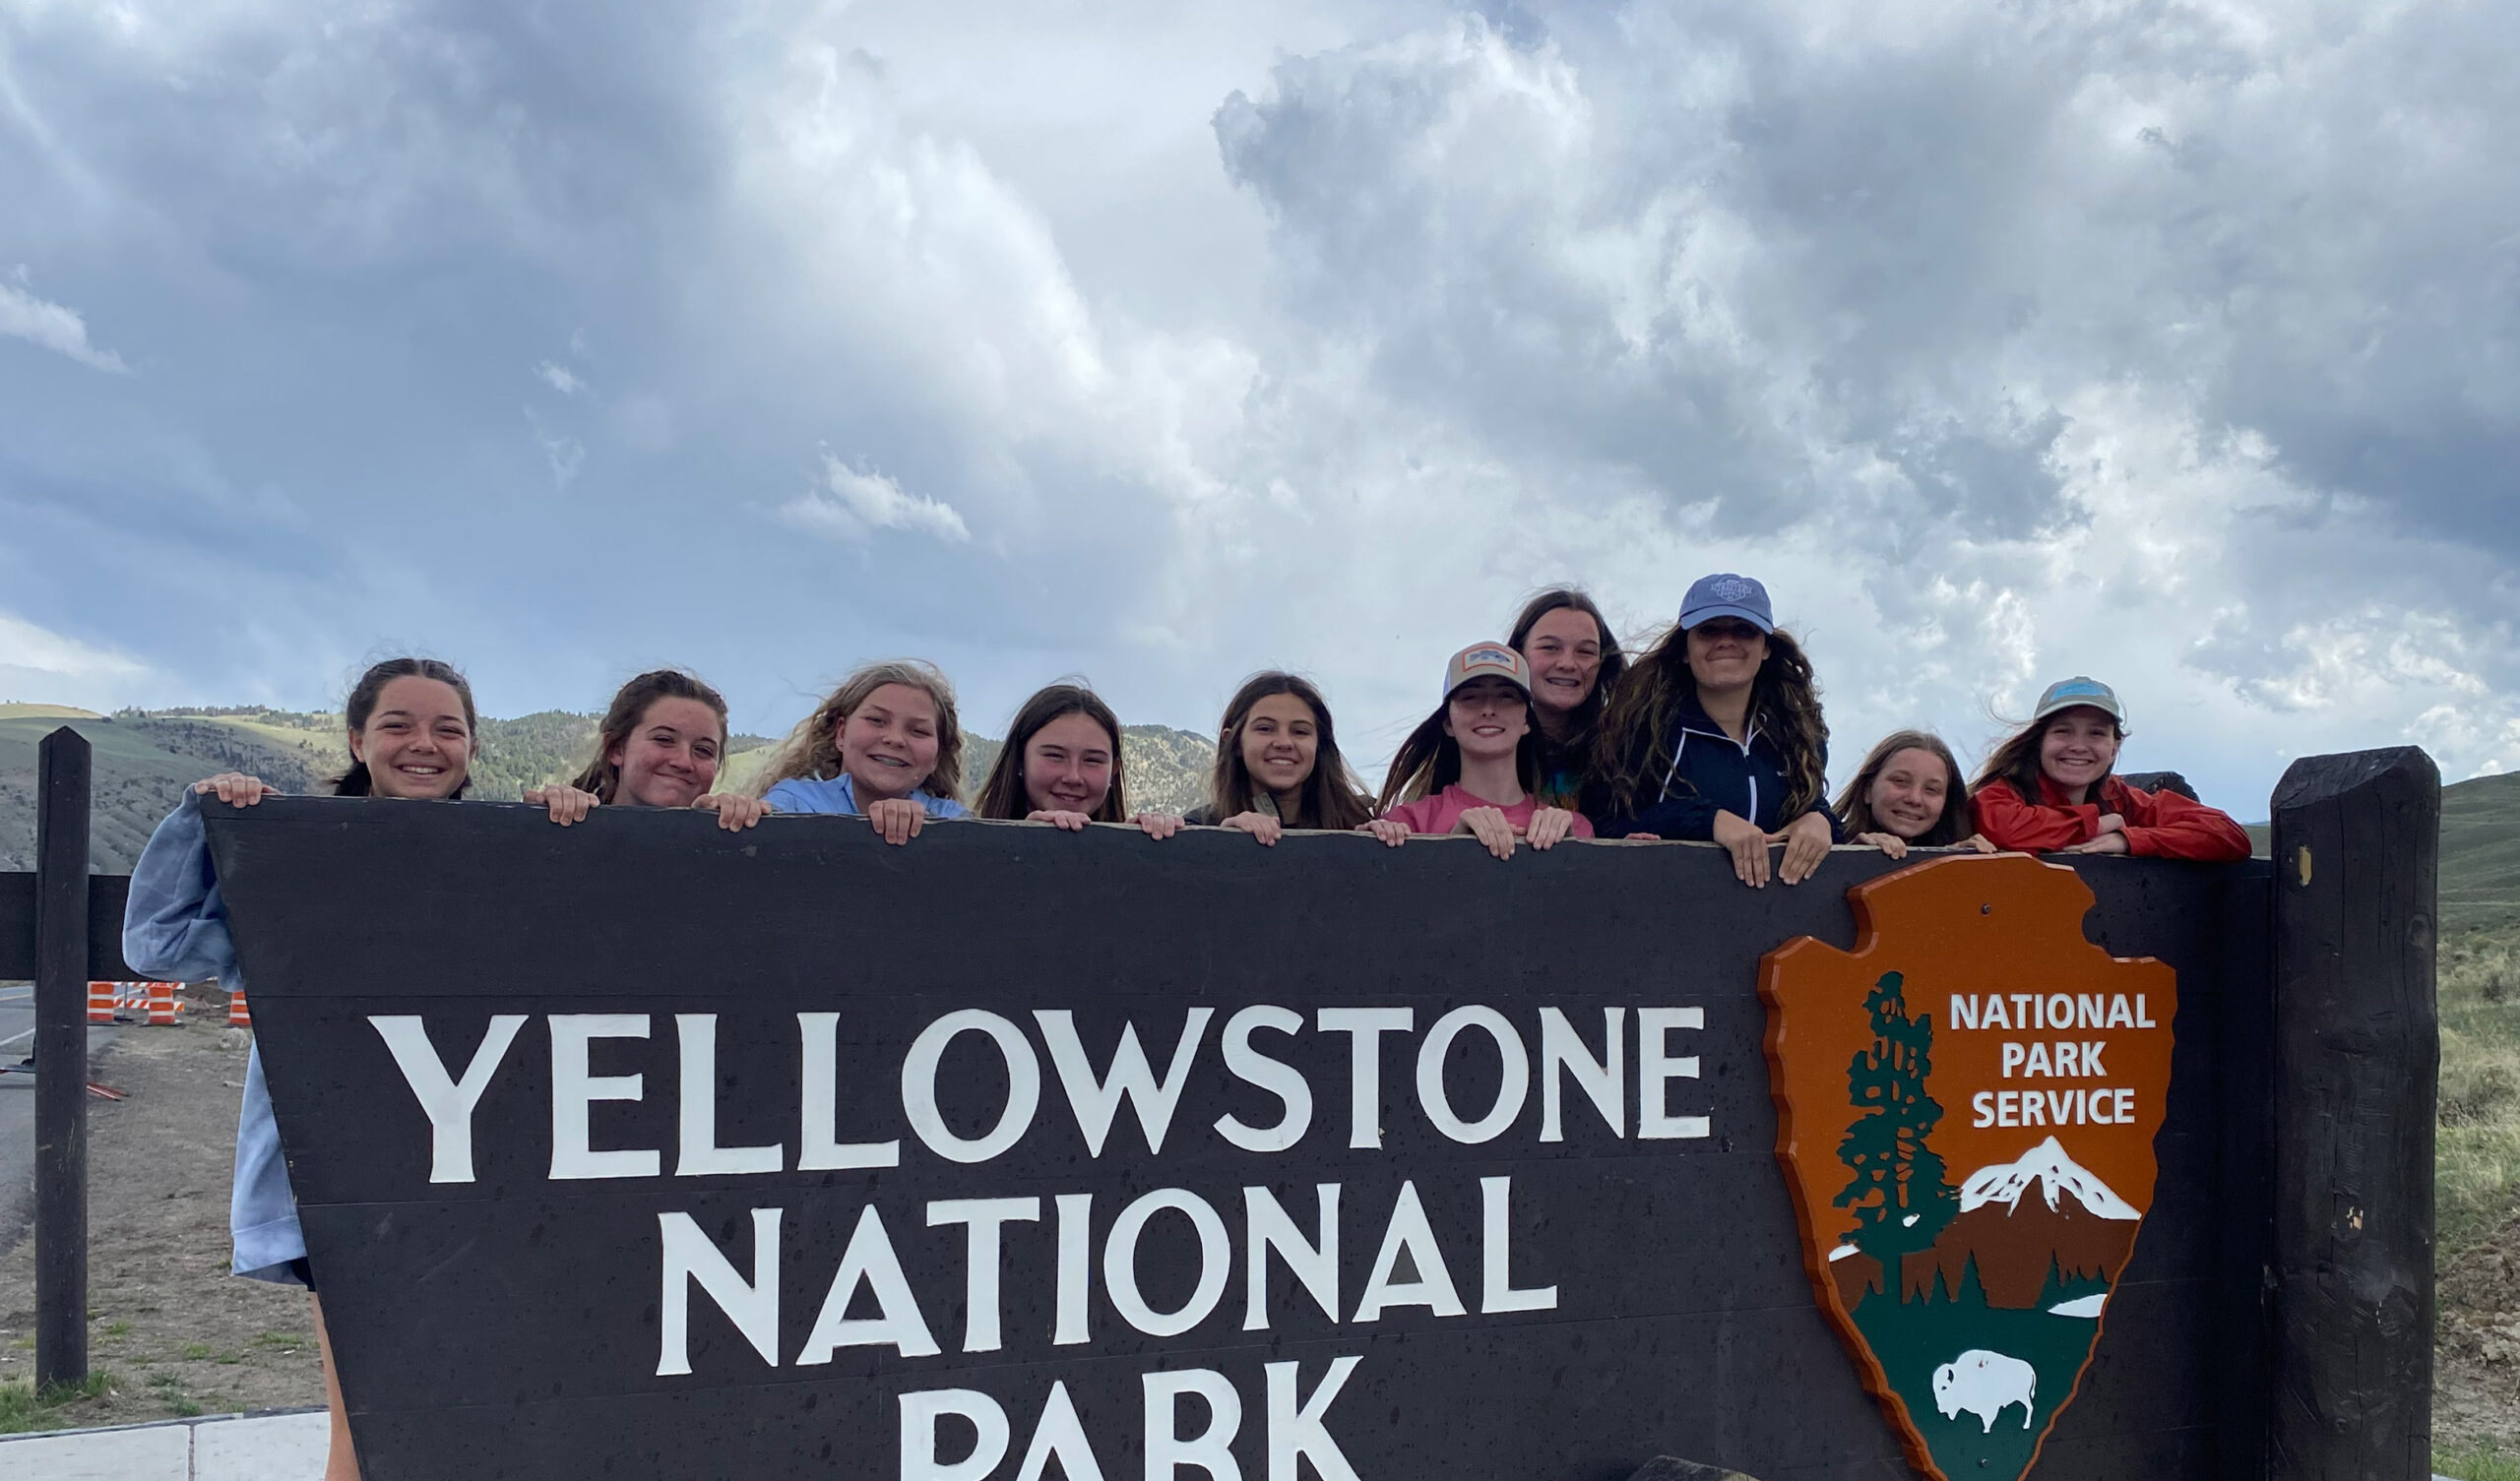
x=412, y=728
x=886, y=745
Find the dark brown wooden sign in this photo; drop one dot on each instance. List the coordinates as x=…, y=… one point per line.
x=641, y=1148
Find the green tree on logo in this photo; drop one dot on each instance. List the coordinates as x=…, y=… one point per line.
x=1900, y=1197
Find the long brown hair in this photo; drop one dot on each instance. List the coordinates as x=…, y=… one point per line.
x=629, y=710
x=1855, y=804
x=1004, y=795
x=1331, y=797
x=2015, y=760
x=812, y=749
x=1614, y=659
x=1429, y=760
x=361, y=708
x=1634, y=744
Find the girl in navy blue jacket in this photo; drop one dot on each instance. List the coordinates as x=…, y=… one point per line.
x=1716, y=734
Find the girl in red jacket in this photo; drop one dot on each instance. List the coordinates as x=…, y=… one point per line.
x=2049, y=790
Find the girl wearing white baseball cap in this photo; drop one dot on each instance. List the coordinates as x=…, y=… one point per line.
x=2051, y=789
x=1472, y=767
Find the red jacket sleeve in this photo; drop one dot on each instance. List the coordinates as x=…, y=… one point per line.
x=2009, y=823
x=2166, y=826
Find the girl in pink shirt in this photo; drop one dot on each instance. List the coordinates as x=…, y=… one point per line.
x=1473, y=766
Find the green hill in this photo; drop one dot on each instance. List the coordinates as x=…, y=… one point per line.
x=2480, y=855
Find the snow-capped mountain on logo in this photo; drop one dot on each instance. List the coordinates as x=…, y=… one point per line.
x=2047, y=1166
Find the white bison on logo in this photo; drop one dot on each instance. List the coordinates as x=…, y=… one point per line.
x=1985, y=1384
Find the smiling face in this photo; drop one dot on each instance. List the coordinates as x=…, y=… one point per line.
x=2078, y=748
x=1488, y=718
x=1067, y=764
x=1564, y=648
x=672, y=756
x=1909, y=793
x=888, y=744
x=1280, y=738
x=416, y=742
x=1724, y=653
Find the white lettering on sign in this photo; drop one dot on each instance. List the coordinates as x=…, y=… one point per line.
x=574, y=1089
x=1096, y=1101
x=448, y=1102
x=1656, y=1067
x=1514, y=1071
x=1283, y=1080
x=2017, y=1013
x=918, y=1086
x=1121, y=1263
x=1365, y=1027
x=1562, y=1052
x=819, y=1148
x=701, y=1154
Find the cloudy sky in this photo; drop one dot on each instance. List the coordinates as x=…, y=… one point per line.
x=2171, y=341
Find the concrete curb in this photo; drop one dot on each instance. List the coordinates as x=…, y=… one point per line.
x=281, y=1445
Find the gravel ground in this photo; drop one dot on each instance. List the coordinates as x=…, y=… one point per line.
x=175, y=1331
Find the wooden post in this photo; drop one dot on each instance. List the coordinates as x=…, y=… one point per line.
x=2356, y=1052
x=61, y=1059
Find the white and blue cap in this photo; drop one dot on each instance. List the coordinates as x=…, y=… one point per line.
x=1725, y=594
x=2076, y=691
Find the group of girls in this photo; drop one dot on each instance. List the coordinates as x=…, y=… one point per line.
x=1713, y=733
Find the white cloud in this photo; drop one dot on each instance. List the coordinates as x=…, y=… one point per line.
x=40, y=666
x=2170, y=343
x=853, y=503
x=565, y=453
x=54, y=327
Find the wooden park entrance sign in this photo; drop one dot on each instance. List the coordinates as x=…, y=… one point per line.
x=645, y=1149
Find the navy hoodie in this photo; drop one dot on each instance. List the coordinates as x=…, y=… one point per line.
x=1706, y=773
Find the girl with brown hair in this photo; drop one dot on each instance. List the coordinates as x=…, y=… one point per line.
x=412, y=732
x=886, y=744
x=1062, y=765
x=1471, y=767
x=659, y=744
x=1576, y=663
x=1908, y=793
x=1278, y=764
x=1716, y=733
x=2052, y=788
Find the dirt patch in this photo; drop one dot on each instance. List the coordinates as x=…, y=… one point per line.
x=179, y=1334
x=2477, y=1353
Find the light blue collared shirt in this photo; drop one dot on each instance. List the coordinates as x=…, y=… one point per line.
x=175, y=930
x=838, y=794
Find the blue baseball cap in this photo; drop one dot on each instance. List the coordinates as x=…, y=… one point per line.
x=2080, y=690
x=1725, y=594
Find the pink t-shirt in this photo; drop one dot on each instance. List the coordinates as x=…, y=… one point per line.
x=1439, y=812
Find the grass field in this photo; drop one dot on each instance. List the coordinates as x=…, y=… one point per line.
x=2478, y=1163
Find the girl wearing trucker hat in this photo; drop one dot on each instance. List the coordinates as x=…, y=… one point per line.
x=2049, y=790
x=1472, y=766
x=1716, y=733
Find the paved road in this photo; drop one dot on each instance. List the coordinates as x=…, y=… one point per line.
x=18, y=1108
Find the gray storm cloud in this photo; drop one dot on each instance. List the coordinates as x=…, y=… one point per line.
x=2173, y=340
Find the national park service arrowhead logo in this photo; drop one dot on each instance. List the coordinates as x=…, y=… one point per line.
x=1966, y=1107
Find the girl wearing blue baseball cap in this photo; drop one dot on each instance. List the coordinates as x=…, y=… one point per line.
x=1472, y=766
x=1716, y=734
x=2051, y=789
